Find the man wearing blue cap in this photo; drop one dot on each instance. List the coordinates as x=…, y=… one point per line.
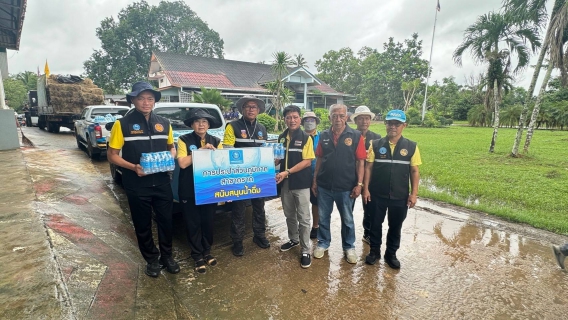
x=137, y=132
x=392, y=162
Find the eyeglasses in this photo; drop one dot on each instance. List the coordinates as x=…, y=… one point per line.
x=292, y=118
x=393, y=123
x=309, y=120
x=250, y=107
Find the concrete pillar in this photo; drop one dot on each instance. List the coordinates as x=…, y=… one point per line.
x=8, y=130
x=305, y=96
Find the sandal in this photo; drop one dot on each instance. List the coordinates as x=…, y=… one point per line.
x=211, y=260
x=200, y=266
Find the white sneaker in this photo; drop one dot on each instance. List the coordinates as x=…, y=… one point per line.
x=350, y=255
x=319, y=252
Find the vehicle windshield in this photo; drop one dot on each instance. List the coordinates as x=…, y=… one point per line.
x=112, y=111
x=176, y=115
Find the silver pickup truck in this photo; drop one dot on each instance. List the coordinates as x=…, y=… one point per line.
x=90, y=130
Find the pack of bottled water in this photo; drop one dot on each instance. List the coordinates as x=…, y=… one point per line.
x=157, y=162
x=278, y=149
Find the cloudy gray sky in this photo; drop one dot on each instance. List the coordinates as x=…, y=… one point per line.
x=63, y=31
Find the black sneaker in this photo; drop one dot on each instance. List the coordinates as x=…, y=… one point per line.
x=153, y=269
x=261, y=242
x=306, y=260
x=238, y=249
x=367, y=239
x=392, y=261
x=288, y=245
x=372, y=257
x=314, y=233
x=169, y=264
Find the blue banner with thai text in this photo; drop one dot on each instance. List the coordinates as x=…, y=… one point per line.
x=233, y=174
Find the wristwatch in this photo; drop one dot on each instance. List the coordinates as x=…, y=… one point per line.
x=288, y=170
x=360, y=184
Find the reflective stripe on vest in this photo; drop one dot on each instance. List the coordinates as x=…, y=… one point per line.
x=295, y=150
x=250, y=140
x=154, y=137
x=392, y=161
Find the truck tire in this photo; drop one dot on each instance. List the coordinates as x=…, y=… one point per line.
x=116, y=176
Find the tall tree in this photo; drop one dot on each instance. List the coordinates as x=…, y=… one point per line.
x=128, y=41
x=483, y=40
x=536, y=12
x=279, y=68
x=16, y=93
x=300, y=61
x=341, y=70
x=28, y=78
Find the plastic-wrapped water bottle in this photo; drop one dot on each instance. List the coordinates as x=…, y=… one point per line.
x=144, y=162
x=171, y=162
x=154, y=163
x=163, y=162
x=281, y=151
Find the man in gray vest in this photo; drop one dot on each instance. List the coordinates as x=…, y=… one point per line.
x=296, y=178
x=338, y=179
x=247, y=132
x=392, y=163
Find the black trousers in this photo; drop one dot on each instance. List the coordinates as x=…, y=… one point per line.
x=397, y=211
x=238, y=219
x=141, y=202
x=199, y=226
x=366, y=217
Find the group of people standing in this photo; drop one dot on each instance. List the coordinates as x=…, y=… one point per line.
x=334, y=166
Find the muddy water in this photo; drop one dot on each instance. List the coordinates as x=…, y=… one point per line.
x=455, y=264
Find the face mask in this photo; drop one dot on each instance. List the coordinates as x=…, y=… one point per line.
x=309, y=126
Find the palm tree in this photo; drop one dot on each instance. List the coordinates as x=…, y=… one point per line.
x=300, y=61
x=484, y=39
x=279, y=68
x=29, y=79
x=535, y=11
x=212, y=96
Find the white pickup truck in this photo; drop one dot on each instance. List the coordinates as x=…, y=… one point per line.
x=90, y=130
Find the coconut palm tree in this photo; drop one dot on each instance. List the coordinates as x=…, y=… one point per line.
x=535, y=11
x=279, y=68
x=485, y=40
x=300, y=61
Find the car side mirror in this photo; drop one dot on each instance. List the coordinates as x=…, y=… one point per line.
x=109, y=125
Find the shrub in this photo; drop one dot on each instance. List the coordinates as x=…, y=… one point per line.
x=323, y=115
x=430, y=120
x=267, y=121
x=413, y=116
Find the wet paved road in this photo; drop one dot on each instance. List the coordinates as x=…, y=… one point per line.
x=74, y=255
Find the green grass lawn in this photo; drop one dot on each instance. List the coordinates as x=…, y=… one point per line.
x=457, y=168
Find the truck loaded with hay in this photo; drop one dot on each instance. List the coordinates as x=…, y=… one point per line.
x=61, y=99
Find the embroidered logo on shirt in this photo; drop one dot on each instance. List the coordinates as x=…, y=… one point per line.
x=383, y=150
x=193, y=147
x=348, y=141
x=136, y=126
x=244, y=134
x=298, y=143
x=403, y=152
x=260, y=134
x=159, y=127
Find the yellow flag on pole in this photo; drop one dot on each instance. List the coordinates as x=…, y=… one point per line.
x=46, y=69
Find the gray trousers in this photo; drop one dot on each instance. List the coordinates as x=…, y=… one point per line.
x=296, y=205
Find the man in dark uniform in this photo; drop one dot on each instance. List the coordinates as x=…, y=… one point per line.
x=392, y=163
x=138, y=132
x=362, y=117
x=245, y=133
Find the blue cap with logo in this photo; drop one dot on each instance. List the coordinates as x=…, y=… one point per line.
x=397, y=115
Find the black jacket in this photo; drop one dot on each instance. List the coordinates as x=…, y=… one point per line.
x=338, y=170
x=141, y=136
x=391, y=172
x=247, y=134
x=303, y=178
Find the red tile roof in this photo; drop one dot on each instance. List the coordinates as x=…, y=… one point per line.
x=199, y=79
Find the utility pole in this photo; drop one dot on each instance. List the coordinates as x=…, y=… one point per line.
x=430, y=62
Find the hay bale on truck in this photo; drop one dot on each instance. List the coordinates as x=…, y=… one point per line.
x=61, y=99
